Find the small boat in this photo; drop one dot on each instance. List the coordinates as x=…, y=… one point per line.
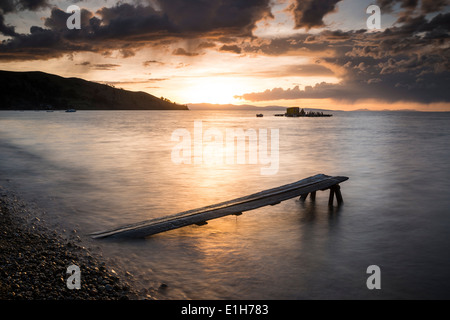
x=260, y=115
x=71, y=110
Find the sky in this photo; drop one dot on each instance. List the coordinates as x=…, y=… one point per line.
x=307, y=53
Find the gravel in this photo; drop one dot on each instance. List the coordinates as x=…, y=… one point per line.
x=34, y=262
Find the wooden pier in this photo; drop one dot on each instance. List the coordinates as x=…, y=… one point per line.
x=200, y=216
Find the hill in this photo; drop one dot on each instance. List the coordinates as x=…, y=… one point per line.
x=39, y=90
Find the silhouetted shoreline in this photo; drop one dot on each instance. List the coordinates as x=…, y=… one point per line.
x=44, y=91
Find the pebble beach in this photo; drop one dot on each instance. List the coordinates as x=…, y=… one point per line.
x=34, y=262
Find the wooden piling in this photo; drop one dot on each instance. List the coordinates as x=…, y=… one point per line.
x=331, y=198
x=337, y=190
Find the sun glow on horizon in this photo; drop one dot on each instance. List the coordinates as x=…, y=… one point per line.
x=212, y=90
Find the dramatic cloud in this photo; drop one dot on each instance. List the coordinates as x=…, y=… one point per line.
x=183, y=52
x=425, y=6
x=58, y=20
x=129, y=27
x=152, y=62
x=31, y=4
x=411, y=9
x=7, y=6
x=410, y=62
x=310, y=13
x=392, y=88
x=6, y=30
x=231, y=17
x=206, y=45
x=407, y=61
x=231, y=48
x=106, y=66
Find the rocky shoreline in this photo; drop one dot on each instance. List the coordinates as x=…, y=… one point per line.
x=34, y=262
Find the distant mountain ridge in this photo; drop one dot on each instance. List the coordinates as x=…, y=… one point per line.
x=228, y=107
x=210, y=106
x=40, y=91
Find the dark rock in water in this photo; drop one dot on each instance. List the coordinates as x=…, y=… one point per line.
x=163, y=286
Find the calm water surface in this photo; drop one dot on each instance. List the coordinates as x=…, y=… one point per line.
x=93, y=170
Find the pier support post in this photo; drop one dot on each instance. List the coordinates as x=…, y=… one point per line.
x=335, y=190
x=331, y=198
x=303, y=197
x=313, y=196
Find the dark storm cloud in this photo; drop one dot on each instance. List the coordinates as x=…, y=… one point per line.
x=388, y=5
x=31, y=4
x=418, y=36
x=411, y=9
x=237, y=17
x=38, y=41
x=231, y=48
x=305, y=44
x=393, y=88
x=183, y=52
x=127, y=27
x=206, y=45
x=425, y=6
x=57, y=22
x=42, y=43
x=4, y=29
x=181, y=18
x=410, y=62
x=125, y=21
x=7, y=6
x=428, y=6
x=310, y=13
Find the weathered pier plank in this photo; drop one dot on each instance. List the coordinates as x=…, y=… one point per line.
x=233, y=207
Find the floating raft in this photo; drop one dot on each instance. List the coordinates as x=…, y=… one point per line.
x=233, y=207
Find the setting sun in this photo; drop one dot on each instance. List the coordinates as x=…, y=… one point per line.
x=211, y=90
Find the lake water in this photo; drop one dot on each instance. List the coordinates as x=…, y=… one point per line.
x=92, y=171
